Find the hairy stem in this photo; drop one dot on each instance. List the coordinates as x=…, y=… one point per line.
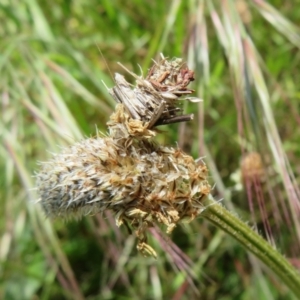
x=253, y=242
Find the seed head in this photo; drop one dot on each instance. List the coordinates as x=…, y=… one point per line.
x=141, y=181
x=252, y=167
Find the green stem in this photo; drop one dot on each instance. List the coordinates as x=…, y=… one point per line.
x=253, y=242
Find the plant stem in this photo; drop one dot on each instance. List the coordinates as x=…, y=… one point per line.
x=225, y=220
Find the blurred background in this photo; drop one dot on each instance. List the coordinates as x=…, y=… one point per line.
x=246, y=60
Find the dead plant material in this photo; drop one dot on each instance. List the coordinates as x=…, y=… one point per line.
x=141, y=181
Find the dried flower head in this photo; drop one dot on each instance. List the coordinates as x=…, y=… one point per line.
x=252, y=167
x=154, y=99
x=140, y=181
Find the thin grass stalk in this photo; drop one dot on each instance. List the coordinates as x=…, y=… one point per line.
x=282, y=24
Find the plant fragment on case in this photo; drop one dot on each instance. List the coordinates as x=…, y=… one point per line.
x=141, y=181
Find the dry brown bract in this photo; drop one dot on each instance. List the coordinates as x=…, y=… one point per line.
x=140, y=181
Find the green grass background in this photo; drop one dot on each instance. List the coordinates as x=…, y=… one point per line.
x=246, y=60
